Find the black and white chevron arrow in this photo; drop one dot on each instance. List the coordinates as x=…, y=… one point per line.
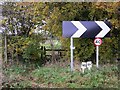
x=86, y=29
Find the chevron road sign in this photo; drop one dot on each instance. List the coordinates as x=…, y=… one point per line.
x=86, y=29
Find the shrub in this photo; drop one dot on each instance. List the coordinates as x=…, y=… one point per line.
x=33, y=52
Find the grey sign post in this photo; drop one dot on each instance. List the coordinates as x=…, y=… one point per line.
x=97, y=43
x=97, y=56
x=71, y=48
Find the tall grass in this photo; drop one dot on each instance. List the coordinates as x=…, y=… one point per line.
x=61, y=77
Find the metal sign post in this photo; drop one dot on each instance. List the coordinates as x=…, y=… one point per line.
x=71, y=48
x=97, y=56
x=97, y=43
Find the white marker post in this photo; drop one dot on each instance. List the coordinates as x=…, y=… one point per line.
x=89, y=65
x=97, y=43
x=83, y=66
x=71, y=47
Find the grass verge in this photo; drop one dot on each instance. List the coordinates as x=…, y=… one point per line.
x=60, y=77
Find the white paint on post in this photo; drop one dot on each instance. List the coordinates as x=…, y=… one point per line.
x=97, y=56
x=71, y=47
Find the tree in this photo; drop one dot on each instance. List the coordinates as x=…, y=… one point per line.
x=24, y=17
x=20, y=24
x=55, y=13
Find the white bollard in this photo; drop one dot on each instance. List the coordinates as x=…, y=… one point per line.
x=89, y=65
x=83, y=66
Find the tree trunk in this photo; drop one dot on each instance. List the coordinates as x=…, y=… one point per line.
x=1, y=61
x=5, y=52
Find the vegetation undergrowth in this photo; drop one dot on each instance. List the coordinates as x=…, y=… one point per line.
x=60, y=77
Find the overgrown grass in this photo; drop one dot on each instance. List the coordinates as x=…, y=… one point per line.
x=62, y=77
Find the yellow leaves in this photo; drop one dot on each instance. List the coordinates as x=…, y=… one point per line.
x=24, y=3
x=32, y=31
x=24, y=47
x=18, y=50
x=109, y=6
x=46, y=11
x=115, y=22
x=54, y=15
